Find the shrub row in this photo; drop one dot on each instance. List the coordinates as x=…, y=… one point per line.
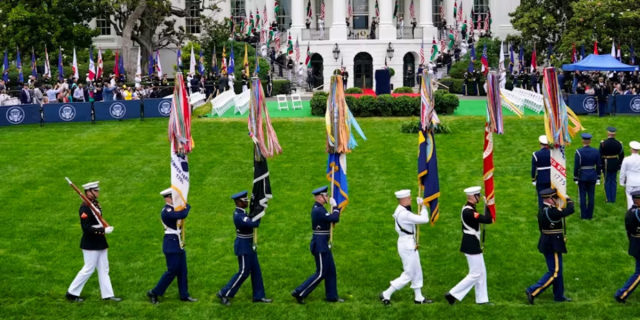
x=386, y=105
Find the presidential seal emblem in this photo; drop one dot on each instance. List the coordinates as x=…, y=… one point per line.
x=67, y=112
x=635, y=104
x=117, y=110
x=15, y=115
x=589, y=104
x=164, y=108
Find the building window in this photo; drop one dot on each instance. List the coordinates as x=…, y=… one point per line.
x=103, y=26
x=238, y=11
x=361, y=14
x=284, y=15
x=438, y=12
x=481, y=6
x=193, y=16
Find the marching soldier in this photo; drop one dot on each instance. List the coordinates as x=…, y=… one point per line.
x=612, y=154
x=247, y=256
x=551, y=245
x=173, y=250
x=94, y=249
x=632, y=224
x=472, y=249
x=586, y=174
x=406, y=228
x=321, y=221
x=630, y=172
x=541, y=168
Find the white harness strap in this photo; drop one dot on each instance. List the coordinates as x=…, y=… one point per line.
x=177, y=232
x=467, y=229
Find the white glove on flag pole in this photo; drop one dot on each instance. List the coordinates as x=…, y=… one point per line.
x=75, y=65
x=192, y=63
x=139, y=68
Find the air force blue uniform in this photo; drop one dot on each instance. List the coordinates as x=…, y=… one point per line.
x=321, y=221
x=541, y=171
x=632, y=224
x=247, y=258
x=586, y=171
x=612, y=153
x=173, y=252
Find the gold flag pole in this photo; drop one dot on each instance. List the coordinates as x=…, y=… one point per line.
x=332, y=224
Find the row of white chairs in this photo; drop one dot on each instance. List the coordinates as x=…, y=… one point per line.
x=224, y=101
x=513, y=98
x=242, y=102
x=296, y=102
x=530, y=100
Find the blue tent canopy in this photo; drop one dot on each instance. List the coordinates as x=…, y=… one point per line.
x=603, y=62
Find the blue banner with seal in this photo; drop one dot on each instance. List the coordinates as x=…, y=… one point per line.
x=156, y=108
x=67, y=112
x=117, y=110
x=20, y=114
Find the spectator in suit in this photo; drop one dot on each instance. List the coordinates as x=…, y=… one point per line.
x=25, y=95
x=38, y=97
x=107, y=92
x=223, y=83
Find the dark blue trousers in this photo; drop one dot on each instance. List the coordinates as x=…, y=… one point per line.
x=248, y=266
x=631, y=284
x=540, y=187
x=587, y=202
x=176, y=267
x=602, y=108
x=325, y=270
x=610, y=185
x=552, y=277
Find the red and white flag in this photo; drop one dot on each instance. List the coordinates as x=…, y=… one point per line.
x=75, y=65
x=322, y=10
x=412, y=10
x=297, y=48
x=534, y=63
x=100, y=70
x=92, y=67
x=47, y=66
x=158, y=66
x=422, y=53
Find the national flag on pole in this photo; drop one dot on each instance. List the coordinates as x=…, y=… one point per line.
x=5, y=67
x=309, y=10
x=501, y=59
x=442, y=15
x=550, y=53
x=574, y=54
x=422, y=52
x=278, y=42
x=92, y=66
x=521, y=60
x=34, y=71
x=534, y=63
x=202, y=70
x=276, y=9
x=179, y=59
x=484, y=60
x=350, y=9
x=460, y=12
x=412, y=10
x=582, y=54
x=322, y=10
x=192, y=63
x=290, y=45
x=443, y=47
x=257, y=70
x=139, y=64
x=158, y=63
x=452, y=39
x=619, y=55
x=487, y=22
x=265, y=17
x=19, y=67
x=472, y=59
x=261, y=192
x=151, y=68
x=297, y=49
x=428, y=179
x=595, y=48
x=47, y=66
x=258, y=20
x=74, y=66
x=246, y=61
x=223, y=62
x=60, y=68
x=232, y=62
x=251, y=23
x=116, y=65
x=488, y=169
x=214, y=63
x=512, y=57
x=377, y=10
x=613, y=49
x=307, y=61
x=455, y=9
x=395, y=10
x=121, y=66
x=479, y=22
x=100, y=69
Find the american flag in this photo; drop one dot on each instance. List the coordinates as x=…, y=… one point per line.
x=297, y=48
x=322, y=10
x=421, y=50
x=486, y=22
x=412, y=10
x=277, y=41
x=263, y=36
x=459, y=19
x=441, y=12
x=349, y=10
x=377, y=10
x=264, y=18
x=443, y=46
x=479, y=18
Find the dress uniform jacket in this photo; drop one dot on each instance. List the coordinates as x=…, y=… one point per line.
x=551, y=228
x=471, y=221
x=612, y=154
x=170, y=217
x=632, y=224
x=321, y=221
x=541, y=166
x=244, y=232
x=587, y=165
x=92, y=233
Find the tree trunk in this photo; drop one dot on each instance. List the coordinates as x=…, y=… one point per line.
x=131, y=58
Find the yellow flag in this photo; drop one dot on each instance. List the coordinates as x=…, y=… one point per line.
x=246, y=60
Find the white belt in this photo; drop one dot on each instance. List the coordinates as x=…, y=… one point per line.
x=587, y=167
x=96, y=226
x=544, y=168
x=467, y=229
x=172, y=231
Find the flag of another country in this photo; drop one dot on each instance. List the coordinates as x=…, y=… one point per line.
x=340, y=190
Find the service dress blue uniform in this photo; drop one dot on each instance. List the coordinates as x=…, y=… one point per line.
x=586, y=171
x=541, y=171
x=632, y=224
x=612, y=153
x=321, y=221
x=248, y=264
x=174, y=253
x=552, y=246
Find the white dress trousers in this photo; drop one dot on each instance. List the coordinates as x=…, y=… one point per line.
x=477, y=278
x=93, y=259
x=412, y=270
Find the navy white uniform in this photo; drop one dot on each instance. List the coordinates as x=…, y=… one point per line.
x=541, y=168
x=552, y=246
x=321, y=221
x=612, y=154
x=630, y=172
x=586, y=173
x=632, y=225
x=174, y=252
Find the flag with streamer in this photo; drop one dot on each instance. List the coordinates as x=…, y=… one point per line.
x=484, y=60
x=428, y=179
x=422, y=53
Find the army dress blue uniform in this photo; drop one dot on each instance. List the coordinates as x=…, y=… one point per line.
x=321, y=221
x=552, y=246
x=612, y=154
x=247, y=258
x=586, y=173
x=541, y=168
x=174, y=253
x=632, y=225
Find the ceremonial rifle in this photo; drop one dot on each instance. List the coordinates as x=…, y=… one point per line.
x=88, y=202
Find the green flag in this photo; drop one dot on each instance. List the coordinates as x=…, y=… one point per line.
x=434, y=50
x=276, y=8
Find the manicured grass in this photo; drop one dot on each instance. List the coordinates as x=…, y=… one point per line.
x=39, y=254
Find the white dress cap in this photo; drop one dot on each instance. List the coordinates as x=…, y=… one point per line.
x=543, y=140
x=91, y=185
x=403, y=194
x=166, y=192
x=472, y=191
x=635, y=145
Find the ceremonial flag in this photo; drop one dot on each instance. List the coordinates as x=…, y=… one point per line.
x=214, y=63
x=116, y=65
x=309, y=11
x=460, y=12
x=139, y=64
x=151, y=68
x=322, y=9
x=534, y=63
x=422, y=52
x=521, y=60
x=192, y=63
x=613, y=50
x=428, y=180
x=201, y=68
x=60, y=68
x=251, y=23
x=92, y=66
x=257, y=70
x=261, y=192
x=549, y=53
x=472, y=59
x=443, y=47
x=582, y=55
x=5, y=67
x=100, y=69
x=290, y=45
x=19, y=67
x=265, y=17
x=232, y=62
x=47, y=66
x=633, y=55
x=223, y=63
x=308, y=59
x=595, y=48
x=121, y=65
x=277, y=42
x=484, y=60
x=34, y=71
x=441, y=11
x=246, y=61
x=181, y=145
x=574, y=54
x=158, y=63
x=377, y=10
x=452, y=39
x=479, y=22
x=455, y=9
x=471, y=24
x=350, y=9
x=412, y=10
x=395, y=10
x=487, y=21
x=512, y=61
x=258, y=18
x=501, y=61
x=337, y=174
x=619, y=55
x=179, y=59
x=297, y=49
x=276, y=8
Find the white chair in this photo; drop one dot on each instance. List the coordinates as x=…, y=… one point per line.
x=223, y=102
x=296, y=101
x=197, y=99
x=242, y=102
x=282, y=102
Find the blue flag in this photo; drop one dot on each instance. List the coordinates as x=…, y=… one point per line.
x=428, y=173
x=232, y=63
x=521, y=60
x=257, y=64
x=201, y=65
x=511, y=59
x=121, y=64
x=34, y=69
x=214, y=62
x=179, y=58
x=151, y=67
x=582, y=55
x=549, y=53
x=340, y=190
x=5, y=67
x=60, y=69
x=633, y=55
x=473, y=59
x=19, y=66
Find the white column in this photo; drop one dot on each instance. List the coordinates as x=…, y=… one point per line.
x=297, y=19
x=271, y=15
x=339, y=26
x=426, y=20
x=387, y=28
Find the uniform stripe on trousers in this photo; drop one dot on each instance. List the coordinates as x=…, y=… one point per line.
x=316, y=280
x=555, y=275
x=635, y=283
x=237, y=280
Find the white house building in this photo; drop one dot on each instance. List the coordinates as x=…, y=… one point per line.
x=353, y=45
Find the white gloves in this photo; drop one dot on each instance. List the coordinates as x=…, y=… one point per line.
x=534, y=184
x=420, y=201
x=598, y=182
x=333, y=202
x=108, y=230
x=576, y=182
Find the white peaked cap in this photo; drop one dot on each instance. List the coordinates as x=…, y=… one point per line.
x=472, y=191
x=166, y=192
x=91, y=185
x=403, y=194
x=635, y=145
x=543, y=140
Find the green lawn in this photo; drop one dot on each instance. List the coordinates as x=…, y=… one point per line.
x=40, y=234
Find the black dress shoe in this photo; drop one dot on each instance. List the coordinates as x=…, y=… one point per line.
x=114, y=299
x=386, y=302
x=73, y=298
x=299, y=299
x=424, y=301
x=336, y=300
x=451, y=299
x=224, y=300
x=530, y=297
x=153, y=298
x=620, y=300
x=263, y=300
x=189, y=299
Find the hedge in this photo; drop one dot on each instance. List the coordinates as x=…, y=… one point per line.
x=403, y=90
x=386, y=105
x=354, y=91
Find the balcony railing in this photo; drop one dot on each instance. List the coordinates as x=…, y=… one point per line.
x=409, y=33
x=315, y=34
x=362, y=34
